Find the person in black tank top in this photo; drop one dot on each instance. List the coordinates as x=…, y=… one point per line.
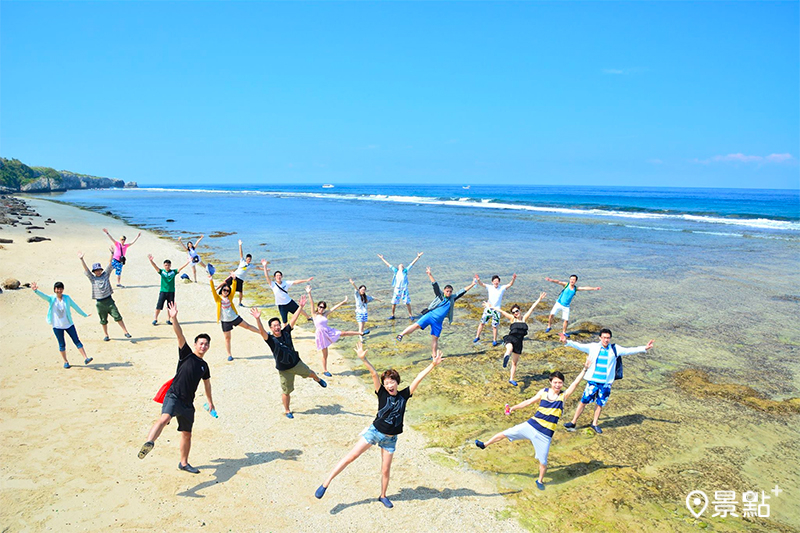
x=518, y=331
x=388, y=423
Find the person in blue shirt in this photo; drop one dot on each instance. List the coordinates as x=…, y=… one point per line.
x=441, y=307
x=400, y=285
x=601, y=363
x=564, y=299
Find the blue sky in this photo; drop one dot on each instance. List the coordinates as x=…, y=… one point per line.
x=644, y=93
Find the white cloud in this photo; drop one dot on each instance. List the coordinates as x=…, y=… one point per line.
x=743, y=158
x=655, y=161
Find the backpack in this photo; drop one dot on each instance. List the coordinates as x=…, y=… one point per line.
x=618, y=371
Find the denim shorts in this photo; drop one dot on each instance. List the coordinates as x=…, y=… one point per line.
x=375, y=437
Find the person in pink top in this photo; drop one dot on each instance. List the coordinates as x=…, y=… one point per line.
x=120, y=251
x=325, y=335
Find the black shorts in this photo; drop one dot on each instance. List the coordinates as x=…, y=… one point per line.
x=173, y=406
x=228, y=326
x=164, y=297
x=195, y=259
x=239, y=284
x=286, y=309
x=515, y=342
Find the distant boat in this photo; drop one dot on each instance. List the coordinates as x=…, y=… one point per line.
x=327, y=186
x=465, y=187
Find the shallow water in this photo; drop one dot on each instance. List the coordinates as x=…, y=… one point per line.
x=722, y=301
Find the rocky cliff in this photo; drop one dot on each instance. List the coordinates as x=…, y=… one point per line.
x=18, y=177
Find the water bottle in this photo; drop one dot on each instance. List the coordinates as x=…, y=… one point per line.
x=212, y=412
x=508, y=409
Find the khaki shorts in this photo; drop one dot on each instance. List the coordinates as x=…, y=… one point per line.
x=287, y=376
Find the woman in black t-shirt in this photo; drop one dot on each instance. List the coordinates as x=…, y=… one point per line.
x=388, y=423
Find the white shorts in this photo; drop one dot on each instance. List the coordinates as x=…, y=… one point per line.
x=564, y=311
x=541, y=443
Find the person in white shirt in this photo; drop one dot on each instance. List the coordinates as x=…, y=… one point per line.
x=601, y=362
x=495, y=296
x=244, y=264
x=280, y=288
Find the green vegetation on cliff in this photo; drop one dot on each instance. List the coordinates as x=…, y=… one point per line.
x=14, y=173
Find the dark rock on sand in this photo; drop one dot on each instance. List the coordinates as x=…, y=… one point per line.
x=38, y=239
x=11, y=284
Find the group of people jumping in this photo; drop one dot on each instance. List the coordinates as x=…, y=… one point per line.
x=602, y=365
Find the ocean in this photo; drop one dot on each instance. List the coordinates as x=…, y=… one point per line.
x=710, y=274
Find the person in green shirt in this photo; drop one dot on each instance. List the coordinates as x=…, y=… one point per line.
x=167, y=293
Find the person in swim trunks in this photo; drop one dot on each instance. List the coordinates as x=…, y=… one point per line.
x=440, y=308
x=400, y=285
x=564, y=299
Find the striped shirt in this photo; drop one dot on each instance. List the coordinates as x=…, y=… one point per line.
x=101, y=285
x=545, y=420
x=600, y=374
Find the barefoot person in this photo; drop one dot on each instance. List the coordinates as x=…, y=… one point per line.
x=495, y=293
x=60, y=317
x=440, y=308
x=101, y=292
x=194, y=257
x=388, y=423
x=120, y=250
x=238, y=275
x=564, y=299
x=179, y=399
x=540, y=427
x=287, y=360
x=280, y=288
x=362, y=300
x=602, y=365
x=167, y=292
x=516, y=334
x=324, y=335
x=400, y=285
x=227, y=315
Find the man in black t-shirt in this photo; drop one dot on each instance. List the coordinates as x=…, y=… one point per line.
x=179, y=399
x=287, y=360
x=388, y=423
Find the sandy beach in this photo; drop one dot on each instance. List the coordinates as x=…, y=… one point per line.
x=70, y=437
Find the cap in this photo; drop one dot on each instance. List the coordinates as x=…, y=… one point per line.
x=97, y=266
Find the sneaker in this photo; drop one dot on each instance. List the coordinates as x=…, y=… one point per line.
x=476, y=340
x=88, y=360
x=386, y=502
x=399, y=338
x=169, y=323
x=289, y=415
x=569, y=426
x=411, y=318
x=480, y=444
x=188, y=468
x=597, y=429
x=514, y=383
x=547, y=330
x=106, y=338
x=66, y=365
x=210, y=269
x=566, y=335
x=539, y=485
x=322, y=383
x=328, y=374
x=118, y=285
x=390, y=318
x=146, y=448
x=230, y=358
x=505, y=360
x=365, y=332
x=127, y=335
x=320, y=492
x=155, y=322
x=495, y=343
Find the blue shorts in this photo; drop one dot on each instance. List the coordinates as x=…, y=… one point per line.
x=117, y=267
x=434, y=322
x=597, y=393
x=373, y=436
x=361, y=317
